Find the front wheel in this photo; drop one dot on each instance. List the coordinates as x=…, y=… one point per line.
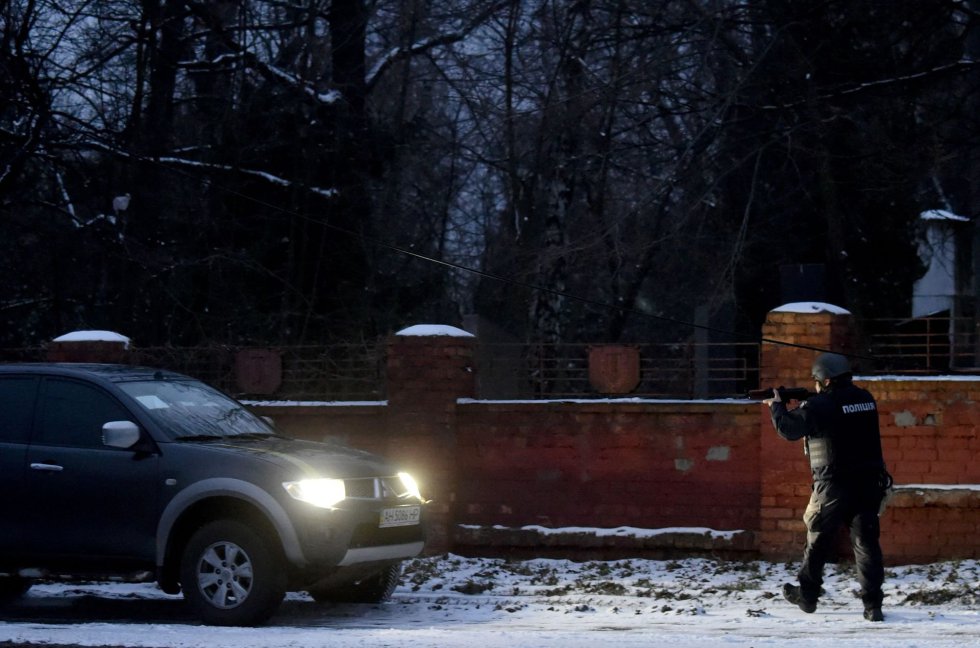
x=231, y=575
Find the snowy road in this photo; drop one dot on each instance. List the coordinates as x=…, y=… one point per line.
x=453, y=601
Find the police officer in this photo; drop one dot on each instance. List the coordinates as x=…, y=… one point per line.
x=839, y=426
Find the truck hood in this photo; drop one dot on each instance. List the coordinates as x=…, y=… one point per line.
x=307, y=458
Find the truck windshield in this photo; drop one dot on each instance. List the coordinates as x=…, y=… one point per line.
x=191, y=409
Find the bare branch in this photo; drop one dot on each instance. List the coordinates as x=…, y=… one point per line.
x=401, y=53
x=195, y=164
x=961, y=65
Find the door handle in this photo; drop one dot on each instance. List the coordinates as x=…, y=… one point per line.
x=47, y=467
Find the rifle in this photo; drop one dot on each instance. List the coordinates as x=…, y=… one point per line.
x=785, y=393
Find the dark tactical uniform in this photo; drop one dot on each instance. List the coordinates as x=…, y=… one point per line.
x=840, y=429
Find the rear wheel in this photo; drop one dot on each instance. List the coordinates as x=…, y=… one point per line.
x=376, y=588
x=231, y=575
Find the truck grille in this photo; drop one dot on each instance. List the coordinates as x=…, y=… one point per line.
x=375, y=488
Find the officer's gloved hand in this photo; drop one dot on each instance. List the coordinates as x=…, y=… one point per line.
x=776, y=398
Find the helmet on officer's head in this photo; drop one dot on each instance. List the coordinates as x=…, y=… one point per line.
x=830, y=365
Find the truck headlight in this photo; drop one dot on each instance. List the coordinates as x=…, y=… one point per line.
x=324, y=493
x=411, y=486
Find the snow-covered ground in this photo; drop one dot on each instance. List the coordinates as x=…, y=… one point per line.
x=452, y=601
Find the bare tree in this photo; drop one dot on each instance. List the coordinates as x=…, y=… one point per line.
x=617, y=163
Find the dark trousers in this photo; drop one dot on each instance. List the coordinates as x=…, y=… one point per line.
x=832, y=505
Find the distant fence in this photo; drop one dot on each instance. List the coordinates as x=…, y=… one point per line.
x=347, y=372
x=681, y=370
x=926, y=345
x=933, y=345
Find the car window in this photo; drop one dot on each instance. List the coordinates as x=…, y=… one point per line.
x=73, y=413
x=16, y=406
x=191, y=409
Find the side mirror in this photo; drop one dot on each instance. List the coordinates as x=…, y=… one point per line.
x=120, y=434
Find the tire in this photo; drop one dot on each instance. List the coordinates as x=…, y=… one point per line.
x=231, y=575
x=376, y=588
x=12, y=588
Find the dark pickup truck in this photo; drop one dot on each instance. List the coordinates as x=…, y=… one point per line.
x=143, y=474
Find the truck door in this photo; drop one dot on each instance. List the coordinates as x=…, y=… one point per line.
x=17, y=396
x=87, y=501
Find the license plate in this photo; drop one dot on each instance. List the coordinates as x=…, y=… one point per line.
x=402, y=516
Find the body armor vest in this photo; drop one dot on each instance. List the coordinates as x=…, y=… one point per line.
x=819, y=451
x=845, y=442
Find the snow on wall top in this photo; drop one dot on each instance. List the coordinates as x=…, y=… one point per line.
x=811, y=307
x=942, y=214
x=93, y=336
x=424, y=330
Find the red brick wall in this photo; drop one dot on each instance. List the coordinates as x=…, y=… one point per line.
x=929, y=436
x=929, y=429
x=608, y=464
x=361, y=426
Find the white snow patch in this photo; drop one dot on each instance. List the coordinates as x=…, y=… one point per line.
x=811, y=307
x=595, y=401
x=903, y=378
x=455, y=602
x=935, y=487
x=93, y=336
x=618, y=532
x=942, y=214
x=425, y=330
x=286, y=403
x=474, y=401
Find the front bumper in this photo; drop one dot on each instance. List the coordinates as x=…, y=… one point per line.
x=352, y=535
x=382, y=553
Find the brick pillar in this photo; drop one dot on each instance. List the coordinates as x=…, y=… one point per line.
x=428, y=369
x=785, y=472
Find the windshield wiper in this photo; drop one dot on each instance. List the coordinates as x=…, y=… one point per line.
x=201, y=437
